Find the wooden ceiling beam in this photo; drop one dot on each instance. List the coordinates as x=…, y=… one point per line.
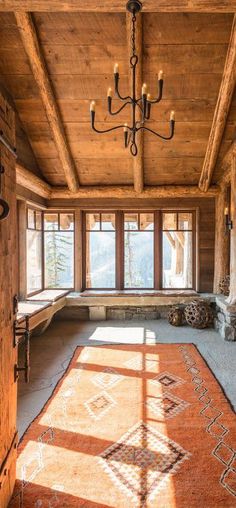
x=32, y=182
x=165, y=191
x=207, y=6
x=33, y=50
x=221, y=112
x=226, y=165
x=138, y=169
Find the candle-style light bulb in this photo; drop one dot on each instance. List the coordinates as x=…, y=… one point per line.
x=92, y=105
x=125, y=127
x=160, y=75
x=109, y=92
x=226, y=210
x=116, y=68
x=144, y=89
x=172, y=115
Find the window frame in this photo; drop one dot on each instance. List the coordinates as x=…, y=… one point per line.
x=58, y=213
x=157, y=247
x=84, y=247
x=194, y=256
x=43, y=231
x=34, y=209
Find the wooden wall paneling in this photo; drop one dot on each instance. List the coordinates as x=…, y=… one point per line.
x=207, y=6
x=189, y=29
x=8, y=281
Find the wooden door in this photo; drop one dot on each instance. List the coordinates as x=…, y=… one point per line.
x=8, y=286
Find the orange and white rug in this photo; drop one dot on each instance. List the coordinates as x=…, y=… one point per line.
x=131, y=427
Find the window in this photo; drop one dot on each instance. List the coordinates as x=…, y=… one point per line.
x=177, y=250
x=101, y=250
x=58, y=250
x=50, y=250
x=34, y=251
x=139, y=250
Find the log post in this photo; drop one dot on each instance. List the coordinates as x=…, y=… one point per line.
x=222, y=237
x=78, y=250
x=232, y=296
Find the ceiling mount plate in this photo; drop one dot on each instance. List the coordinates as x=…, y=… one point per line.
x=134, y=6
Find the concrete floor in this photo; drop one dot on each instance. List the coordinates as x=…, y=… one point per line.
x=51, y=353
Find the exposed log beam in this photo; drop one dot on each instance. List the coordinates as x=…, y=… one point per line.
x=118, y=5
x=30, y=181
x=33, y=50
x=226, y=164
x=138, y=170
x=221, y=112
x=168, y=191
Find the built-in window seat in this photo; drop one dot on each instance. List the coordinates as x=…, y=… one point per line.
x=41, y=308
x=128, y=304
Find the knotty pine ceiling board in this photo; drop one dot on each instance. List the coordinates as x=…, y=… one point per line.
x=80, y=50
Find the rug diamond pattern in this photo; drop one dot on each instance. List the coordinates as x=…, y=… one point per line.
x=141, y=461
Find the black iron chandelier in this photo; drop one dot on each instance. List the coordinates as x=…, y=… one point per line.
x=144, y=102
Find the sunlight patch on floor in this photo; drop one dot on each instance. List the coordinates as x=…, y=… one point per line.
x=122, y=335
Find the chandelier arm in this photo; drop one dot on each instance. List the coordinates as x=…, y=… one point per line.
x=109, y=130
x=148, y=112
x=159, y=97
x=128, y=97
x=172, y=129
x=116, y=77
x=118, y=110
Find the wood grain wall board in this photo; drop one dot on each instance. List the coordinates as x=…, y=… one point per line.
x=78, y=59
x=158, y=171
x=188, y=110
x=98, y=28
x=188, y=86
x=179, y=28
x=204, y=6
x=93, y=171
x=192, y=58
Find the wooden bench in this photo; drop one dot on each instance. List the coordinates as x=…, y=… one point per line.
x=41, y=308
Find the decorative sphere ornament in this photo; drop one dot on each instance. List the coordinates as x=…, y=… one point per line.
x=175, y=316
x=198, y=314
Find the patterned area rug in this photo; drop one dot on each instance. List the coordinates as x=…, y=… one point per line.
x=131, y=426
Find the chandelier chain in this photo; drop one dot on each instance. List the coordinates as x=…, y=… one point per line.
x=134, y=100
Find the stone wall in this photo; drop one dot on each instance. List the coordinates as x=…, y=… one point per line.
x=137, y=313
x=225, y=319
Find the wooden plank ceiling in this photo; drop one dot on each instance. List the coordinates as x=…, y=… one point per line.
x=80, y=50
